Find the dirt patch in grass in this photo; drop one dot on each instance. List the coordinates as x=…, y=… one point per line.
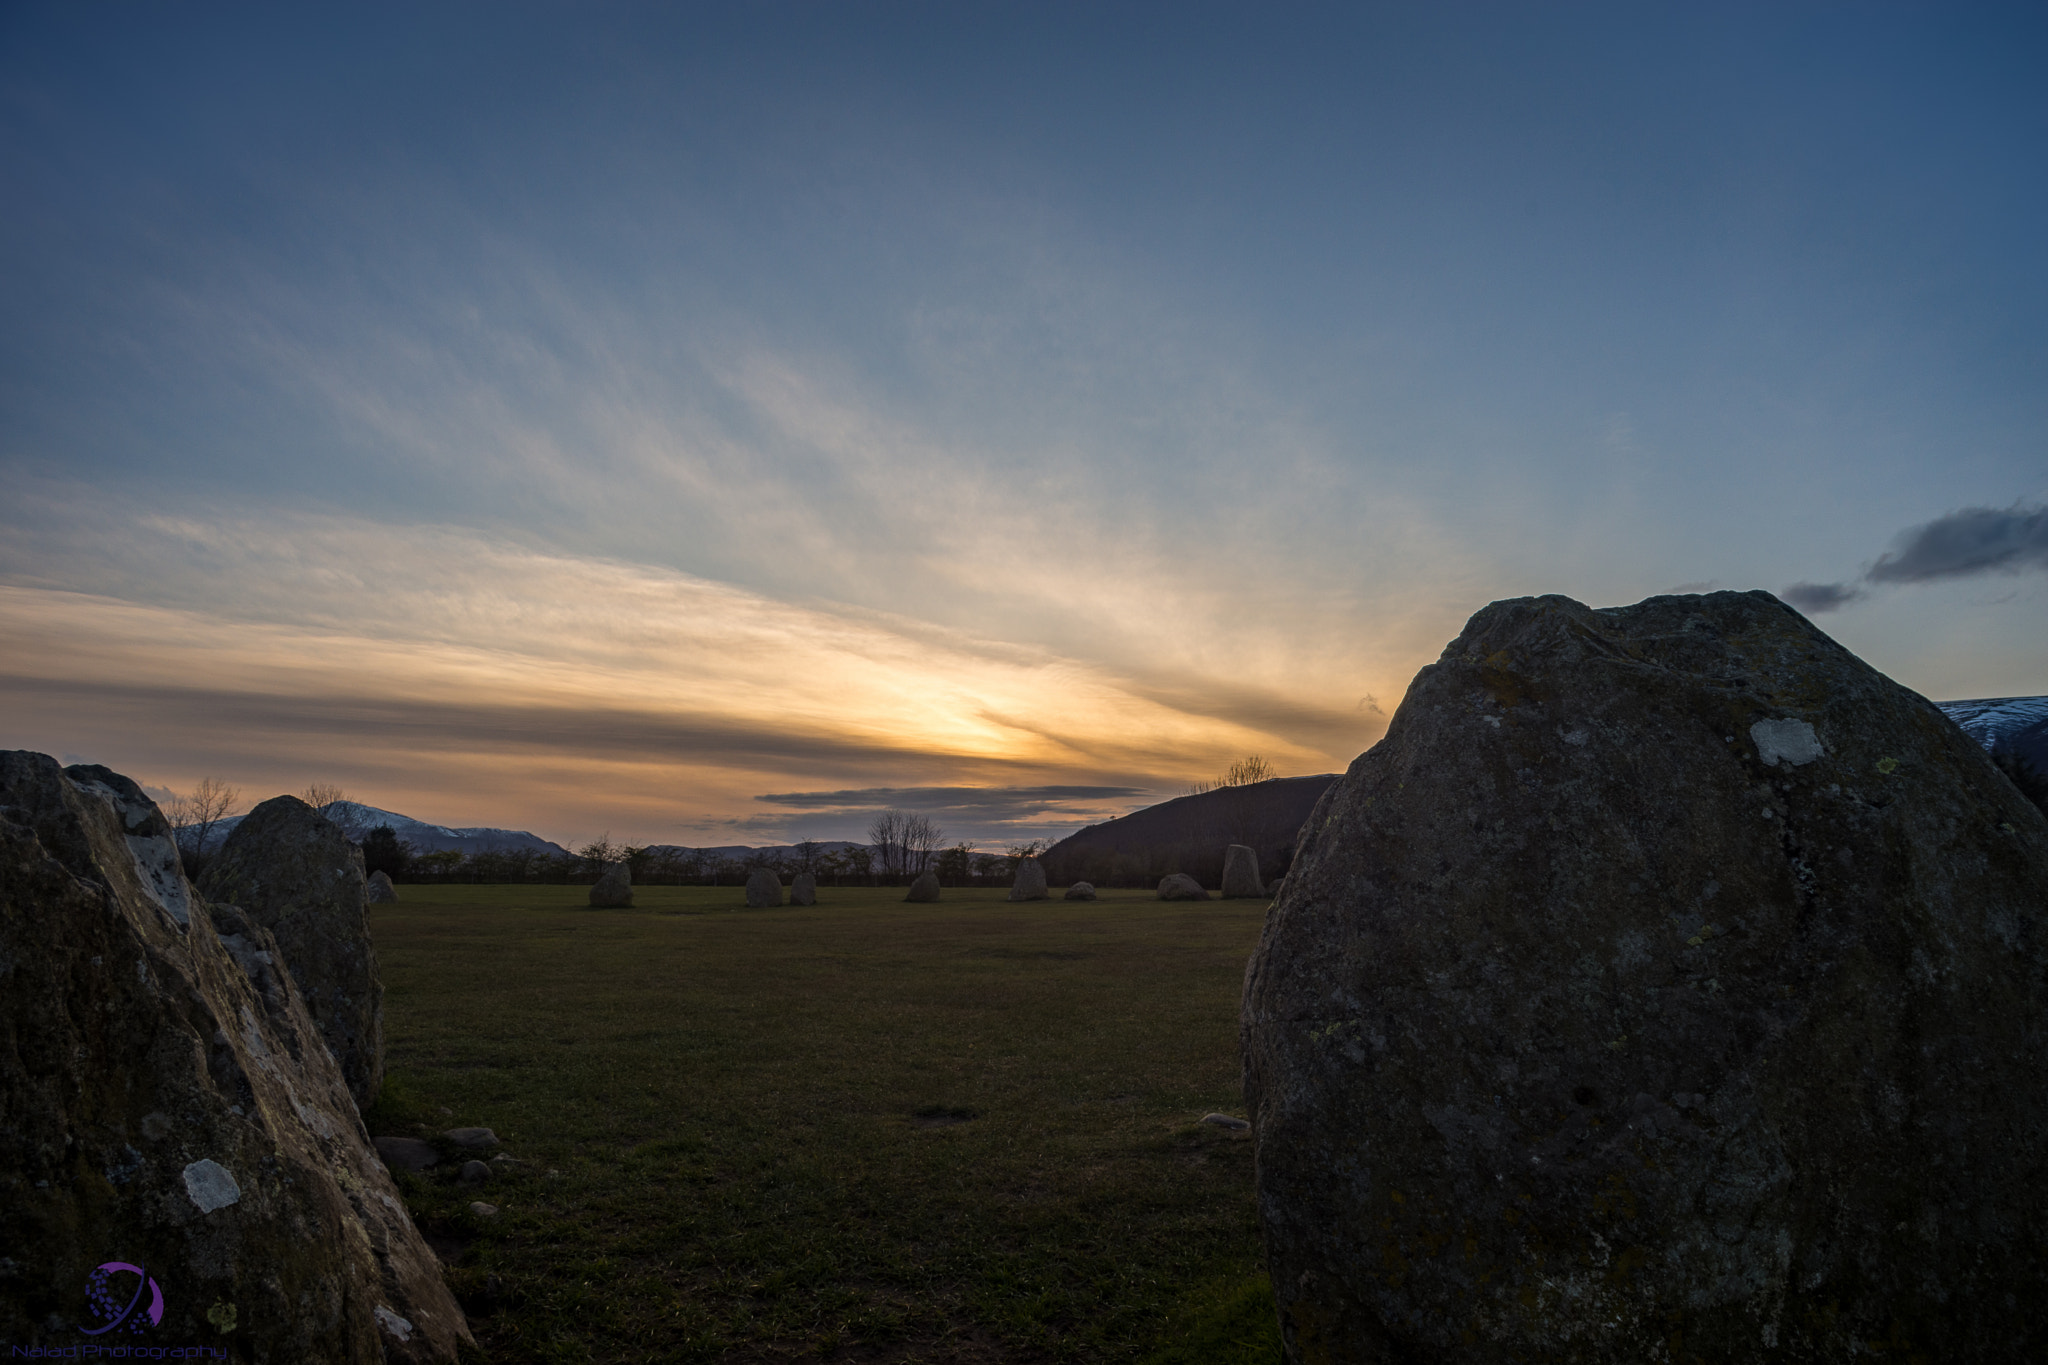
x=859, y=1131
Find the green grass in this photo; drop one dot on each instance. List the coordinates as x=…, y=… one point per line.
x=862, y=1131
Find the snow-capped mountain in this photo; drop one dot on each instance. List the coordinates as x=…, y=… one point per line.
x=358, y=819
x=2017, y=725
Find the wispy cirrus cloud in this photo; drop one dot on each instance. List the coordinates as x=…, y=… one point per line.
x=442, y=671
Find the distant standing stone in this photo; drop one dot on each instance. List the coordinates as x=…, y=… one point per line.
x=381, y=891
x=804, y=890
x=1241, y=872
x=1030, y=883
x=925, y=888
x=1181, y=887
x=764, y=889
x=1081, y=891
x=614, y=890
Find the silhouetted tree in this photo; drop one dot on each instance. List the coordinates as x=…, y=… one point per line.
x=383, y=852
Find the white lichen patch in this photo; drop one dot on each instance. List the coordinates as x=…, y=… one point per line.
x=1794, y=741
x=394, y=1324
x=210, y=1185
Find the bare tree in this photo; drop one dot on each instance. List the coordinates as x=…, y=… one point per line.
x=194, y=817
x=332, y=804
x=600, y=853
x=1247, y=771
x=886, y=834
x=921, y=839
x=803, y=856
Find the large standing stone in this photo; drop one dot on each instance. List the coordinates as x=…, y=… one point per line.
x=1667, y=984
x=1241, y=872
x=1179, y=886
x=613, y=889
x=294, y=872
x=1030, y=882
x=166, y=1101
x=925, y=888
x=379, y=890
x=803, y=890
x=764, y=889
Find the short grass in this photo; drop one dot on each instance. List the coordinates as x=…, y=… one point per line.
x=863, y=1130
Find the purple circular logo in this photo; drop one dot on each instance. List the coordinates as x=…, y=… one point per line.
x=114, y=1304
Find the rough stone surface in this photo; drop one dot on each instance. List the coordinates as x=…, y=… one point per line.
x=167, y=1100
x=477, y=1138
x=1667, y=985
x=1030, y=882
x=1241, y=872
x=764, y=889
x=803, y=890
x=1181, y=887
x=406, y=1154
x=925, y=888
x=379, y=890
x=1081, y=891
x=483, y=1210
x=474, y=1172
x=613, y=890
x=294, y=872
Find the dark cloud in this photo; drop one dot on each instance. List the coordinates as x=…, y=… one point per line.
x=1976, y=540
x=982, y=804
x=1814, y=598
x=226, y=723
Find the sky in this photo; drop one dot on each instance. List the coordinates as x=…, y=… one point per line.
x=713, y=424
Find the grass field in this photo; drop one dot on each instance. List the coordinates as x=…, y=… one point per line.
x=860, y=1131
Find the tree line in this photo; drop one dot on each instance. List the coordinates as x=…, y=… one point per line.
x=901, y=846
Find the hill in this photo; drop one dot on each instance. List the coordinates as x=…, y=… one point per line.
x=357, y=819
x=1189, y=833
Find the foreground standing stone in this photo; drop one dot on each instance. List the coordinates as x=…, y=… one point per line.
x=764, y=889
x=1030, y=882
x=925, y=888
x=803, y=890
x=614, y=889
x=379, y=890
x=294, y=872
x=1179, y=886
x=1241, y=872
x=166, y=1101
x=1666, y=985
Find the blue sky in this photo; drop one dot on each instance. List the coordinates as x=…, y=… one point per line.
x=603, y=418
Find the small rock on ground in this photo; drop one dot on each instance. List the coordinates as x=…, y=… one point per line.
x=471, y=1137
x=475, y=1172
x=406, y=1154
x=1225, y=1121
x=483, y=1210
x=1081, y=891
